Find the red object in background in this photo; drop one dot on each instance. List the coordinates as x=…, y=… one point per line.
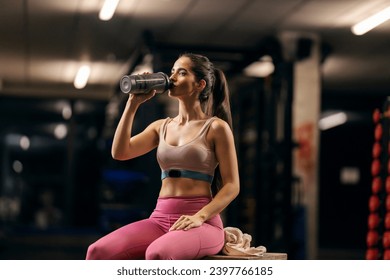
x=376, y=186
x=372, y=238
x=378, y=132
x=373, y=221
x=388, y=184
x=372, y=254
x=374, y=203
x=376, y=115
x=388, y=203
x=387, y=221
x=388, y=148
x=375, y=167
x=386, y=240
x=386, y=255
x=388, y=166
x=376, y=150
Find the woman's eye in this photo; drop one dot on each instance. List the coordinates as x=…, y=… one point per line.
x=182, y=73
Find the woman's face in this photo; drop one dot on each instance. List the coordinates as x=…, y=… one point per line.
x=183, y=79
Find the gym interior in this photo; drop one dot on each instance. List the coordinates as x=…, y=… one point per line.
x=308, y=96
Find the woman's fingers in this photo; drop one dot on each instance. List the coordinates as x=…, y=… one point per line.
x=181, y=223
x=185, y=223
x=141, y=98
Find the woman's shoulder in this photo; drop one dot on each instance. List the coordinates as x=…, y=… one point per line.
x=216, y=122
x=157, y=124
x=219, y=125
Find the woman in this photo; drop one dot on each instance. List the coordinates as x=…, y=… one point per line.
x=196, y=152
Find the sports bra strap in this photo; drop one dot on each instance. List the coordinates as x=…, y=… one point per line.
x=206, y=125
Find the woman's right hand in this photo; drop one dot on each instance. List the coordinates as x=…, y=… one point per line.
x=141, y=98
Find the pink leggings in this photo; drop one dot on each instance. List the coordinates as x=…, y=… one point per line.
x=151, y=239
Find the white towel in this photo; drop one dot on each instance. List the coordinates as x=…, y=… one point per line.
x=239, y=244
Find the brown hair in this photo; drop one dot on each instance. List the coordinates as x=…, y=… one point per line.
x=215, y=97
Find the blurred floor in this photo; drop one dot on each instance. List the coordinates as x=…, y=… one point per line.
x=341, y=254
x=59, y=245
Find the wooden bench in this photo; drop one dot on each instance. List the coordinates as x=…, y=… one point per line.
x=265, y=256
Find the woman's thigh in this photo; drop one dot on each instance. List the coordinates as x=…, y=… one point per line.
x=187, y=245
x=127, y=242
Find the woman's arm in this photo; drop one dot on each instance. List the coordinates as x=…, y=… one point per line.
x=125, y=146
x=227, y=157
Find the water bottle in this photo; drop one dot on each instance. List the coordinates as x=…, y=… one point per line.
x=142, y=84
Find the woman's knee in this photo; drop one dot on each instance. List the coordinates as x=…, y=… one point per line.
x=154, y=252
x=95, y=252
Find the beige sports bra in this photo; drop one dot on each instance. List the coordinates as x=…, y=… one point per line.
x=195, y=159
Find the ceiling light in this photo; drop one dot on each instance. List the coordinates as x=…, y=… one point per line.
x=371, y=22
x=24, y=142
x=17, y=166
x=108, y=9
x=261, y=68
x=66, y=112
x=332, y=121
x=60, y=131
x=82, y=77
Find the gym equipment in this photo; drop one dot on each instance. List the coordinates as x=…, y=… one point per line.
x=387, y=221
x=376, y=186
x=375, y=167
x=372, y=254
x=378, y=222
x=372, y=238
x=376, y=150
x=374, y=203
x=373, y=221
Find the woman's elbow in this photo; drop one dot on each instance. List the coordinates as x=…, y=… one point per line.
x=118, y=156
x=234, y=190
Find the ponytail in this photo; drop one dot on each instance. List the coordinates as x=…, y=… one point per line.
x=219, y=104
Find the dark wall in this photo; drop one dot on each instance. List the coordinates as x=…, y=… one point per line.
x=343, y=208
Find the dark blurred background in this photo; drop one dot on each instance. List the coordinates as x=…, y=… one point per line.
x=60, y=189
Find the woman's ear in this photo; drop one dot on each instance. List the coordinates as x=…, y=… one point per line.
x=201, y=85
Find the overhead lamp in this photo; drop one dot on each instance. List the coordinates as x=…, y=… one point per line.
x=60, y=131
x=24, y=142
x=108, y=9
x=66, y=112
x=82, y=76
x=371, y=22
x=332, y=121
x=17, y=166
x=260, y=68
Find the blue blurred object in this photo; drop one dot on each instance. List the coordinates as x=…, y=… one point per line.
x=120, y=201
x=123, y=176
x=123, y=181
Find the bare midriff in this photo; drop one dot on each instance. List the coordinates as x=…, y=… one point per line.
x=184, y=187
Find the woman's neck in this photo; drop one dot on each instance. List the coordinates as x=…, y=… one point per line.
x=189, y=112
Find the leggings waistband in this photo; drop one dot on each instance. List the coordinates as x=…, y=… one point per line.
x=181, y=204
